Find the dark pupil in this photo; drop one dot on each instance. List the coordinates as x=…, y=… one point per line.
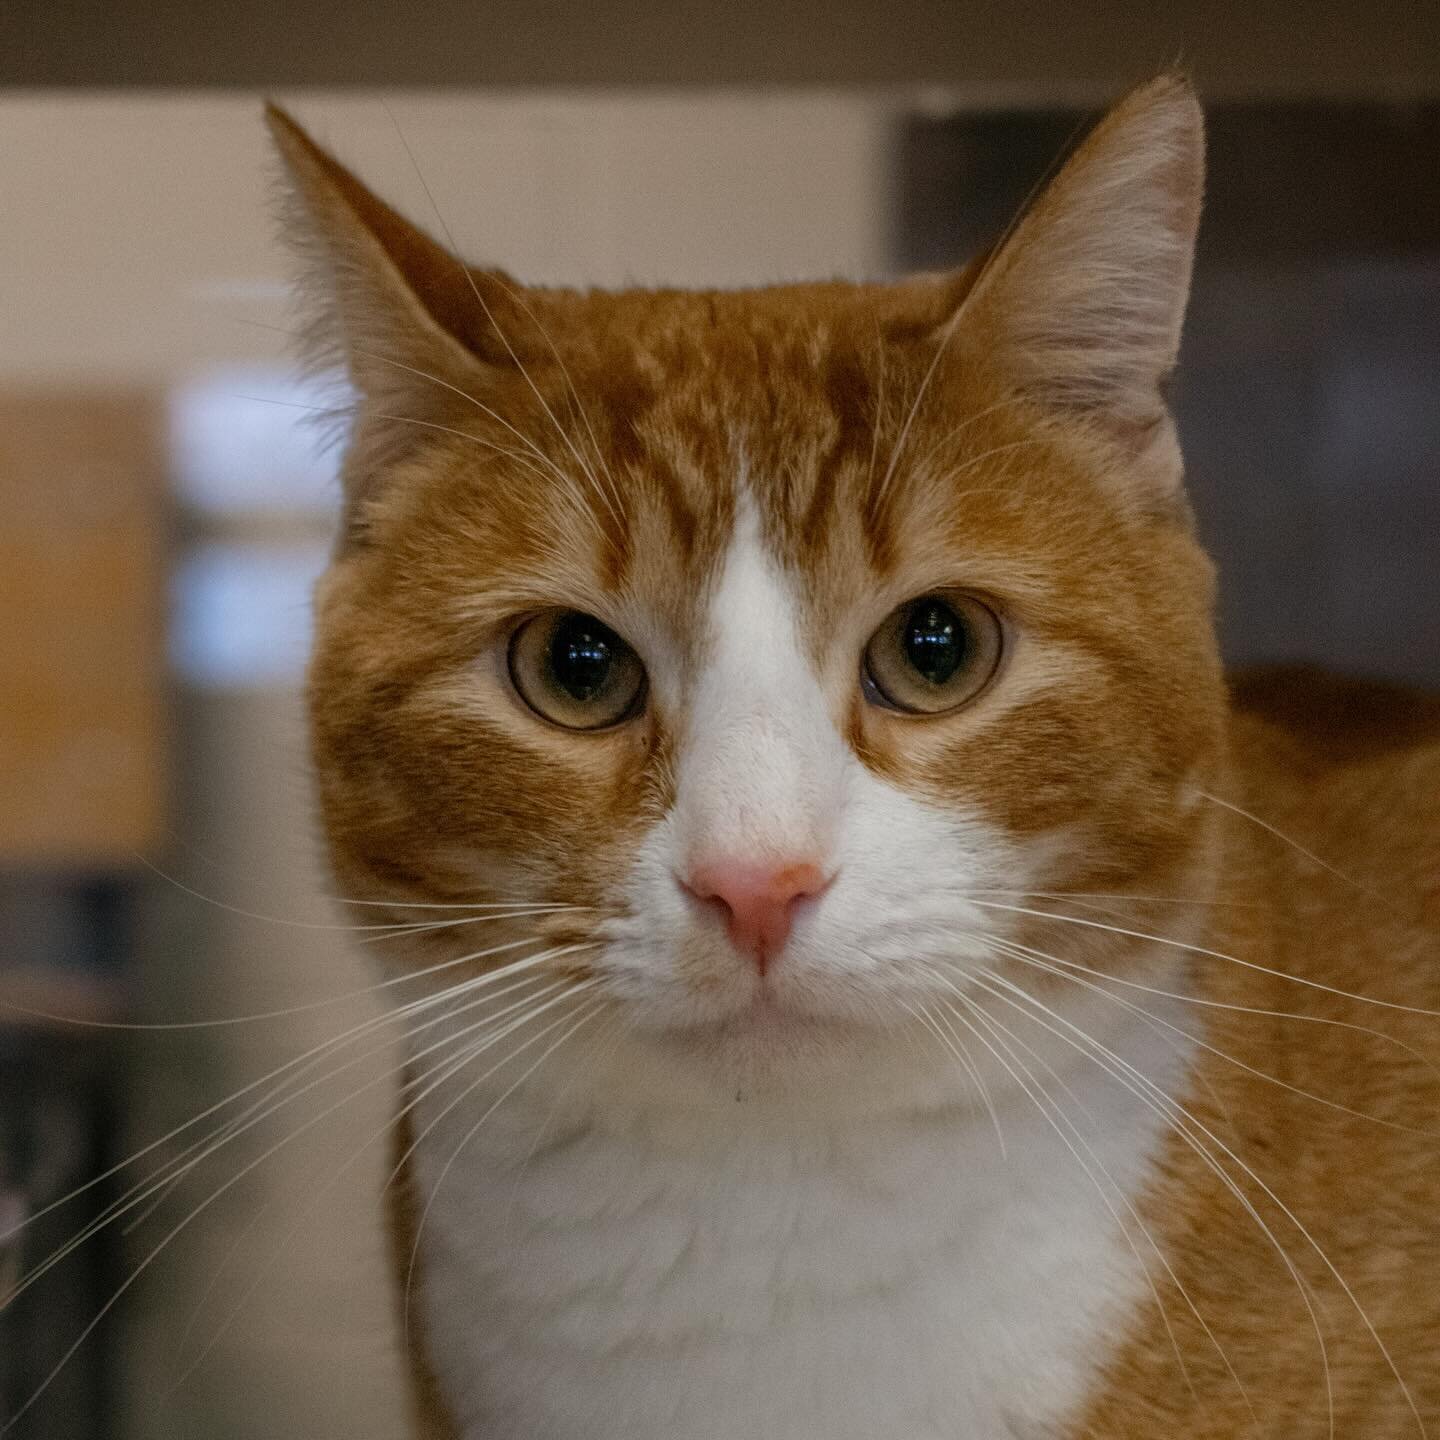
x=581, y=653
x=934, y=640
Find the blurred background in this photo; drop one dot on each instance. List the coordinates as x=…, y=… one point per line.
x=165, y=507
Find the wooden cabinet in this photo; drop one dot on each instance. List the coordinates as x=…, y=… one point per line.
x=82, y=715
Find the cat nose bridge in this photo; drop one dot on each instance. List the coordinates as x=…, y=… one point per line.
x=756, y=786
x=758, y=808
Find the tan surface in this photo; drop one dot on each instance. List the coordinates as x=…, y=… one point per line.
x=80, y=627
x=138, y=238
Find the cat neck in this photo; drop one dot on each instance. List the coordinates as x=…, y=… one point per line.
x=788, y=1266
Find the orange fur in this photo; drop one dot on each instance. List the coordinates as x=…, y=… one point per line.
x=1368, y=1193
x=578, y=449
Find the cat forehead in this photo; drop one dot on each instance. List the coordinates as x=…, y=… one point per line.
x=614, y=461
x=632, y=445
x=690, y=378
x=623, y=493
x=674, y=320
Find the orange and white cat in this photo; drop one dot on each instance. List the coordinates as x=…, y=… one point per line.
x=917, y=999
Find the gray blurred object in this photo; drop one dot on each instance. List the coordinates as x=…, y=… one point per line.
x=61, y=951
x=1309, y=389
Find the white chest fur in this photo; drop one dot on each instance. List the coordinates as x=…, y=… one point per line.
x=769, y=1271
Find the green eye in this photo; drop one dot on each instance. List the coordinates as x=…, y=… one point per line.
x=574, y=671
x=932, y=654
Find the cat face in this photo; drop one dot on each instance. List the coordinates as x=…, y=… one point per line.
x=799, y=637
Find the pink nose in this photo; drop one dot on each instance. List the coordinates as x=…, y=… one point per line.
x=758, y=899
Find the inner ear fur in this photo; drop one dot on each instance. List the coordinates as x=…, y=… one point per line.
x=1083, y=302
x=383, y=295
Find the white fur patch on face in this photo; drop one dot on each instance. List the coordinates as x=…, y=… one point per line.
x=764, y=775
x=762, y=768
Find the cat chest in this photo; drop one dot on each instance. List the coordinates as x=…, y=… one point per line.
x=915, y=1284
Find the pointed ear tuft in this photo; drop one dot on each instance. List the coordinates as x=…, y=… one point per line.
x=385, y=298
x=1084, y=300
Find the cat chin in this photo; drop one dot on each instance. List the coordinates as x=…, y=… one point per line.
x=769, y=1056
x=773, y=1032
x=799, y=1053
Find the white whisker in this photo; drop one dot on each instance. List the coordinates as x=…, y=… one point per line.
x=424, y=1083
x=595, y=1007
x=300, y=1065
x=1295, y=845
x=953, y=1044
x=609, y=497
x=1029, y=1086
x=1111, y=1061
x=518, y=457
x=1050, y=964
x=179, y=1167
x=209, y=1200
x=1211, y=954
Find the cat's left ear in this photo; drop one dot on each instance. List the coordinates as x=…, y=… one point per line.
x=1083, y=303
x=398, y=309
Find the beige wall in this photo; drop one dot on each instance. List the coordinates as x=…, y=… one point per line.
x=137, y=236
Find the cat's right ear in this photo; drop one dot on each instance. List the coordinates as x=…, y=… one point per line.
x=1082, y=303
x=396, y=308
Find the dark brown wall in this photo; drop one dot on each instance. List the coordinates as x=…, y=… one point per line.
x=1307, y=394
x=1237, y=47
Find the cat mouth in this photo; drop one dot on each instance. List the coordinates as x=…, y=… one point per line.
x=771, y=1017
x=767, y=1012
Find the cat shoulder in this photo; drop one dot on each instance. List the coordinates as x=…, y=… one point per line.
x=1338, y=720
x=1351, y=767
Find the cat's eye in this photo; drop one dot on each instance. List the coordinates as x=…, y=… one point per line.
x=932, y=654
x=575, y=671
